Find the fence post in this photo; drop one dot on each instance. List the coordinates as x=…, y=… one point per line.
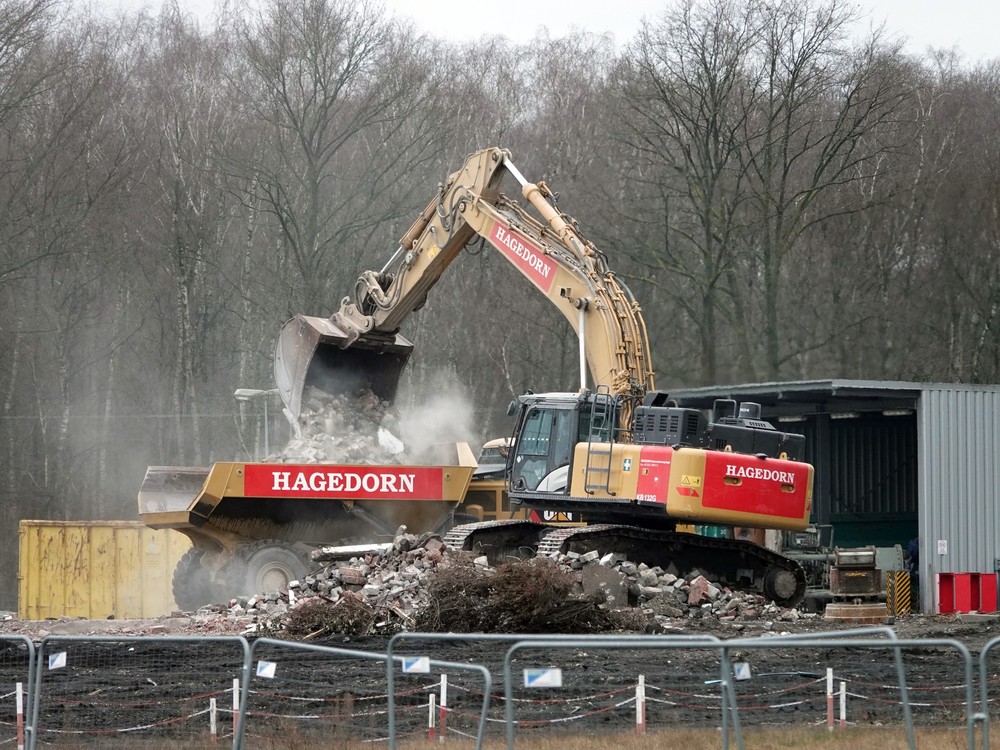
x=829, y=699
x=213, y=719
x=430, y=717
x=843, y=705
x=236, y=706
x=443, y=710
x=20, y=715
x=640, y=705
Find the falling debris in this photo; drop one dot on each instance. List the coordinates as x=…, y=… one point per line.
x=348, y=428
x=390, y=442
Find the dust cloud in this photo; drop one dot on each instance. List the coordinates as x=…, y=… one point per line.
x=356, y=427
x=443, y=417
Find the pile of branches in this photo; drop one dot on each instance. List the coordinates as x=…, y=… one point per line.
x=318, y=617
x=520, y=596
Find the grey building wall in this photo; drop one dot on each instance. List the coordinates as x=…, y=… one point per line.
x=959, y=483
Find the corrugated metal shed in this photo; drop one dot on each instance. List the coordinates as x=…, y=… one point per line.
x=894, y=460
x=959, y=439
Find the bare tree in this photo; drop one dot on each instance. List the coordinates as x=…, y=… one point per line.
x=344, y=102
x=194, y=222
x=72, y=143
x=683, y=103
x=25, y=71
x=808, y=131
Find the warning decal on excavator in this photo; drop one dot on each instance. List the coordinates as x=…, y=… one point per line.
x=654, y=474
x=690, y=480
x=523, y=253
x=344, y=482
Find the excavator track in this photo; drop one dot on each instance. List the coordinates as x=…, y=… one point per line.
x=736, y=563
x=498, y=540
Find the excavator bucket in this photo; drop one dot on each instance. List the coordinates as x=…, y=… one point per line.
x=314, y=352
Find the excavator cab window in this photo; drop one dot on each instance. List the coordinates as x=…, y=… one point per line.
x=545, y=445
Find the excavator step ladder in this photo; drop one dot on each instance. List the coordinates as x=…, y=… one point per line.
x=600, y=439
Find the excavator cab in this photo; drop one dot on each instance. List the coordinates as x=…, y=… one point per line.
x=314, y=352
x=549, y=427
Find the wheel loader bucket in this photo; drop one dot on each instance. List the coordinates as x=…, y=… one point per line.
x=314, y=352
x=232, y=503
x=166, y=491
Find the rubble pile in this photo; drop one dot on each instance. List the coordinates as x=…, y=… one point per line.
x=665, y=598
x=353, y=428
x=377, y=592
x=411, y=584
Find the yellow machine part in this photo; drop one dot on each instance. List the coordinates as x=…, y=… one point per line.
x=228, y=504
x=96, y=570
x=692, y=492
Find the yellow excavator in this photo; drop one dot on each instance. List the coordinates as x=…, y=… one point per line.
x=617, y=457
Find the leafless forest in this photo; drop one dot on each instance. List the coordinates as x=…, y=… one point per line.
x=786, y=199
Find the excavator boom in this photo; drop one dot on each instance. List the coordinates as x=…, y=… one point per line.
x=360, y=343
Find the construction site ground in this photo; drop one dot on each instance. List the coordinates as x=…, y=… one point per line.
x=787, y=685
x=973, y=630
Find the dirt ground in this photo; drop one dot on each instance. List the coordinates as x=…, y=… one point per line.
x=972, y=630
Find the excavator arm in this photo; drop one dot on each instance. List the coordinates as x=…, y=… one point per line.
x=361, y=341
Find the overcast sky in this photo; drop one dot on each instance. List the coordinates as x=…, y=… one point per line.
x=969, y=25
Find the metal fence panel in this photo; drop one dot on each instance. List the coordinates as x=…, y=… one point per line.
x=737, y=701
x=115, y=691
x=305, y=695
x=212, y=691
x=17, y=663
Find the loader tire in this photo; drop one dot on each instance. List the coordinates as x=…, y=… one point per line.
x=270, y=566
x=192, y=583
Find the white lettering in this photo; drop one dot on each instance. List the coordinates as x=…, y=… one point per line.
x=523, y=252
x=343, y=482
x=767, y=475
x=280, y=479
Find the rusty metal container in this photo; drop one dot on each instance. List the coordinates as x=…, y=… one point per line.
x=96, y=569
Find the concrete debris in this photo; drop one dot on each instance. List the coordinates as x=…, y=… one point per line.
x=346, y=552
x=388, y=583
x=349, y=428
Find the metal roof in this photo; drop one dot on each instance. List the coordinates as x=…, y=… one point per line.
x=803, y=396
